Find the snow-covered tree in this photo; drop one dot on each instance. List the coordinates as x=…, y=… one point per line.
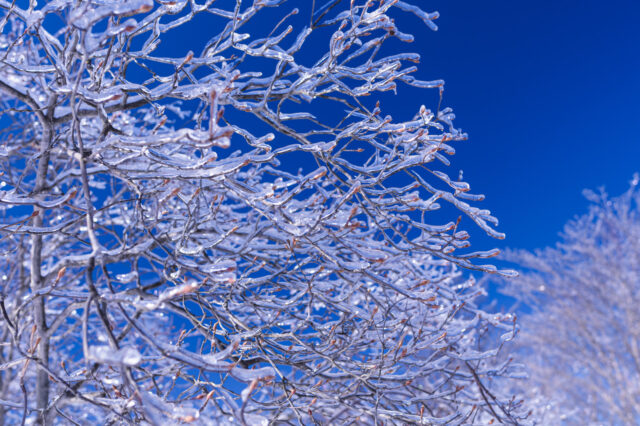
x=581, y=339
x=236, y=233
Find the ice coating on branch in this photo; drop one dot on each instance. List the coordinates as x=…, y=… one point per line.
x=84, y=17
x=128, y=356
x=11, y=198
x=427, y=18
x=160, y=411
x=243, y=212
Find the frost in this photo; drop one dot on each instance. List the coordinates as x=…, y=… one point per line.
x=579, y=302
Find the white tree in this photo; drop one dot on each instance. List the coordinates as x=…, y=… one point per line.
x=163, y=261
x=581, y=340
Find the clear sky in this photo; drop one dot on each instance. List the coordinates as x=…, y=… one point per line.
x=549, y=92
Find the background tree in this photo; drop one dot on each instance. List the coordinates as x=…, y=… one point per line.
x=234, y=235
x=581, y=339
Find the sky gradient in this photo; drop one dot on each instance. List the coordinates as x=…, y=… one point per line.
x=549, y=93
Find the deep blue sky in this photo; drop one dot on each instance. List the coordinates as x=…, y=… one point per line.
x=549, y=92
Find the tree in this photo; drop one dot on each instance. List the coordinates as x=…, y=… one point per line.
x=164, y=261
x=581, y=340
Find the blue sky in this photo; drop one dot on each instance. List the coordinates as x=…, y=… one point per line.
x=549, y=92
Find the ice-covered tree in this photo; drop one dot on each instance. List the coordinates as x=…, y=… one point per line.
x=581, y=339
x=237, y=232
